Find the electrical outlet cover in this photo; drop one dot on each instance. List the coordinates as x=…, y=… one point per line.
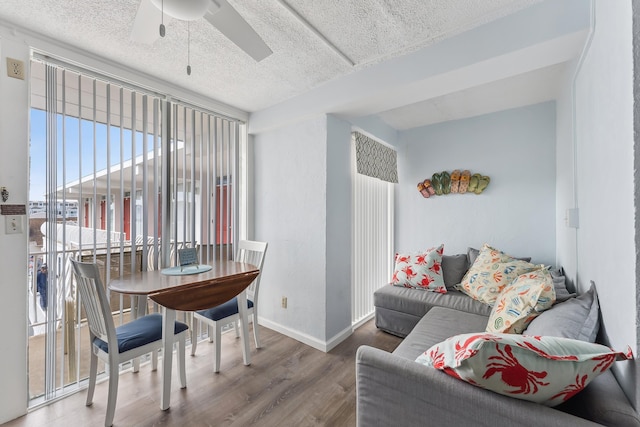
x=15, y=68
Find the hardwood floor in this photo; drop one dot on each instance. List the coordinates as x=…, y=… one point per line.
x=287, y=384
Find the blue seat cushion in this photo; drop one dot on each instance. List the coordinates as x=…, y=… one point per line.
x=139, y=332
x=221, y=311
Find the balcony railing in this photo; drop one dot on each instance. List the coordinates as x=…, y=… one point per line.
x=70, y=357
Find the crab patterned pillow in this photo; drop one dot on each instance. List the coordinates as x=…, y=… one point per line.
x=420, y=271
x=546, y=370
x=522, y=301
x=490, y=273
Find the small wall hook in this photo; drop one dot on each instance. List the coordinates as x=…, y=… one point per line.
x=5, y=193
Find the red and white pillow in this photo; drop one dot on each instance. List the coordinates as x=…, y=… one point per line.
x=547, y=370
x=421, y=270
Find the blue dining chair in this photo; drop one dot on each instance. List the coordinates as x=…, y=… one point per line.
x=116, y=345
x=217, y=317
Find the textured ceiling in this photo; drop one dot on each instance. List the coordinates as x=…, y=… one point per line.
x=366, y=31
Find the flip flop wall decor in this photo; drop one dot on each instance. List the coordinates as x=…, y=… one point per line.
x=456, y=182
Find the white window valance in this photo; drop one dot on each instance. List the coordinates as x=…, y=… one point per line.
x=375, y=159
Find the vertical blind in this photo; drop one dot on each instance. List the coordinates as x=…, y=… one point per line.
x=372, y=225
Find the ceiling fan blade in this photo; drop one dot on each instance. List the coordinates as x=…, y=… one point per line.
x=229, y=22
x=146, y=23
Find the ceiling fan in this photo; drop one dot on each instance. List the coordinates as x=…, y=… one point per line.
x=219, y=13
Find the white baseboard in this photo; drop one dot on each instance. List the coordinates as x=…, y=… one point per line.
x=363, y=321
x=307, y=339
x=338, y=338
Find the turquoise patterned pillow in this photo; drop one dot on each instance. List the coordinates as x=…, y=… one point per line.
x=521, y=301
x=490, y=273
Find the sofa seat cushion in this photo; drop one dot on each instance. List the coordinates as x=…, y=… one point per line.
x=418, y=303
x=603, y=402
x=436, y=326
x=139, y=332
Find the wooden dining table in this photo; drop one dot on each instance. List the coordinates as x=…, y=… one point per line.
x=190, y=292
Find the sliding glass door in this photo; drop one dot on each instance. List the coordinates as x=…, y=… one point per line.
x=122, y=177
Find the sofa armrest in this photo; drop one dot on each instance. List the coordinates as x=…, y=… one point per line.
x=392, y=390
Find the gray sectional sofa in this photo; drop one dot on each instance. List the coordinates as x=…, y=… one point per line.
x=392, y=389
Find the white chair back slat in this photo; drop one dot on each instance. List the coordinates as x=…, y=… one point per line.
x=252, y=252
x=98, y=311
x=94, y=300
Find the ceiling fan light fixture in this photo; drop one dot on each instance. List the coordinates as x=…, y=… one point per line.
x=219, y=13
x=162, y=29
x=188, y=49
x=186, y=10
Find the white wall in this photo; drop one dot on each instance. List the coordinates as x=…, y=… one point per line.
x=290, y=201
x=606, y=248
x=14, y=174
x=516, y=213
x=338, y=272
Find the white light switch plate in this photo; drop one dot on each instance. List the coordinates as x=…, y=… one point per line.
x=13, y=224
x=572, y=218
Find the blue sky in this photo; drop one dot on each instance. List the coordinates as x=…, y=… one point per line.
x=78, y=140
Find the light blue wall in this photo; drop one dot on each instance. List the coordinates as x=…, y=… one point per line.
x=302, y=199
x=565, y=178
x=375, y=127
x=516, y=213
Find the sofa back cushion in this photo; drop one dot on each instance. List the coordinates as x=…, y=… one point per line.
x=454, y=268
x=560, y=283
x=576, y=318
